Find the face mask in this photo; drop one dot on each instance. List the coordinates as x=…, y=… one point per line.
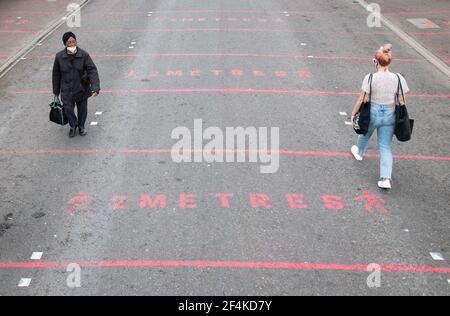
x=72, y=49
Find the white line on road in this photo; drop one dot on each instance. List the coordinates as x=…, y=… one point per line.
x=36, y=256
x=24, y=282
x=348, y=123
x=437, y=256
x=98, y=113
x=343, y=113
x=94, y=123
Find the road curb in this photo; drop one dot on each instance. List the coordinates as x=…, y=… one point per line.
x=42, y=35
x=433, y=59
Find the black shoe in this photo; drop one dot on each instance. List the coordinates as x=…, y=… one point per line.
x=83, y=131
x=72, y=132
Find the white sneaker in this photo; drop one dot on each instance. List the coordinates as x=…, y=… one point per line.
x=355, y=152
x=385, y=183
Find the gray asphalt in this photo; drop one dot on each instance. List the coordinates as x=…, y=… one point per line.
x=36, y=187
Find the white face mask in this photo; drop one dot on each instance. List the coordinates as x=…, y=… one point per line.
x=72, y=49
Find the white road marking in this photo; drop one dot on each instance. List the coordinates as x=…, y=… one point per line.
x=36, y=256
x=348, y=123
x=343, y=113
x=94, y=123
x=24, y=282
x=98, y=113
x=437, y=256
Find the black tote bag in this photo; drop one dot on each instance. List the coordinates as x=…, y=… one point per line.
x=403, y=124
x=57, y=114
x=362, y=118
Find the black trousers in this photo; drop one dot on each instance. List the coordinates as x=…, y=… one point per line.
x=69, y=109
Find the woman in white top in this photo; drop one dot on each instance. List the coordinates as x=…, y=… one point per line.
x=382, y=112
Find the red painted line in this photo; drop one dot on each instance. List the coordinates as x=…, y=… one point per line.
x=222, y=264
x=16, y=31
x=25, y=13
x=429, y=33
x=243, y=55
x=252, y=30
x=188, y=30
x=240, y=90
x=112, y=151
x=420, y=13
x=257, y=55
x=272, y=12
x=232, y=91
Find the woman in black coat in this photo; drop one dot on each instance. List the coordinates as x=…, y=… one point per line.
x=75, y=78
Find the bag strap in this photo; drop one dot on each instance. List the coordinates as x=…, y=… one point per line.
x=370, y=89
x=400, y=89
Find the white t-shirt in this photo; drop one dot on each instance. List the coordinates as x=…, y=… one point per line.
x=384, y=87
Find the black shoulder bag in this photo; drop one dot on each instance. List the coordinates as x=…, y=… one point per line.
x=362, y=118
x=403, y=124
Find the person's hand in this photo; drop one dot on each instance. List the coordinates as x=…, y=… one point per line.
x=353, y=121
x=94, y=93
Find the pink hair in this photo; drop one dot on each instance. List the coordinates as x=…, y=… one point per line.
x=383, y=55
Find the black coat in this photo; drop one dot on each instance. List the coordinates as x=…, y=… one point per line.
x=74, y=76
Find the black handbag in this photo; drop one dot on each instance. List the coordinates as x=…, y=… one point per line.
x=57, y=114
x=403, y=124
x=362, y=118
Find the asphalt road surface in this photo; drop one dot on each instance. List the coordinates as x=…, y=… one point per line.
x=136, y=222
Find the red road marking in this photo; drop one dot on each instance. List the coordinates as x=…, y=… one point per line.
x=253, y=30
x=429, y=33
x=226, y=29
x=25, y=13
x=29, y=152
x=222, y=264
x=250, y=55
x=233, y=91
x=17, y=31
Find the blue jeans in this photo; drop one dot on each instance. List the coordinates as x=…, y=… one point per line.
x=382, y=118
